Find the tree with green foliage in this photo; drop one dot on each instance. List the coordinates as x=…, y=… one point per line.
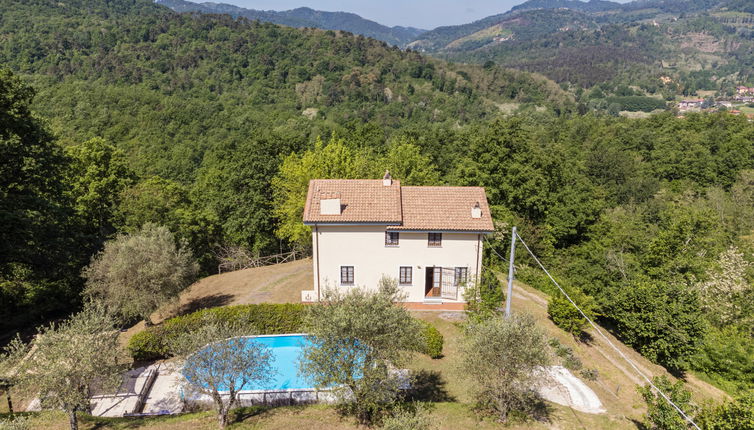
x=334, y=160
x=137, y=273
x=661, y=415
x=485, y=299
x=732, y=415
x=165, y=202
x=66, y=360
x=98, y=174
x=406, y=163
x=220, y=360
x=40, y=238
x=502, y=359
x=358, y=337
x=727, y=295
x=566, y=316
x=663, y=321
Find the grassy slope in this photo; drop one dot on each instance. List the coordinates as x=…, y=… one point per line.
x=616, y=385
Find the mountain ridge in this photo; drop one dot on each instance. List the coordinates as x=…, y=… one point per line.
x=305, y=17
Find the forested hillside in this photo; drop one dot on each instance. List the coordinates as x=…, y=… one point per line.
x=305, y=17
x=195, y=112
x=212, y=126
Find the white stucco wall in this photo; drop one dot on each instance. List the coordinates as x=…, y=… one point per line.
x=363, y=247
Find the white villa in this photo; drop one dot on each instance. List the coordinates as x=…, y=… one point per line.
x=428, y=238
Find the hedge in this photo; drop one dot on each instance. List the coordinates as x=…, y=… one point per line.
x=433, y=340
x=267, y=318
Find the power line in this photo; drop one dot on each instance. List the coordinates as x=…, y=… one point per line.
x=598, y=330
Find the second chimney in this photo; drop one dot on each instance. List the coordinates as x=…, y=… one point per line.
x=387, y=180
x=476, y=211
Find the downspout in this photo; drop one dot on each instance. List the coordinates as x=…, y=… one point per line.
x=478, y=248
x=316, y=235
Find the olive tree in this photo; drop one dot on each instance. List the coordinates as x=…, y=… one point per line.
x=66, y=361
x=357, y=338
x=503, y=359
x=220, y=361
x=137, y=273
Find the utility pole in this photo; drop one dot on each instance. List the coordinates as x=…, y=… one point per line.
x=510, y=275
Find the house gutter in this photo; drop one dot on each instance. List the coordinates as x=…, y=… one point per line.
x=316, y=235
x=478, y=247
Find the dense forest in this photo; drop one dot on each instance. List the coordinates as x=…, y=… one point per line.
x=213, y=126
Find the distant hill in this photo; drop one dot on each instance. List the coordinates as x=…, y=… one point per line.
x=524, y=25
x=590, y=6
x=306, y=17
x=677, y=46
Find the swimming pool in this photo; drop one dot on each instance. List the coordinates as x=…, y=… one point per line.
x=286, y=351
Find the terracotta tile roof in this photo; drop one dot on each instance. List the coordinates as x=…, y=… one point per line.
x=405, y=208
x=361, y=200
x=444, y=208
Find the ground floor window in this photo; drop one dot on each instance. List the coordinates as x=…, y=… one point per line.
x=462, y=274
x=405, y=277
x=346, y=275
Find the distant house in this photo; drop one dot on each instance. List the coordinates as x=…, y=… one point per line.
x=429, y=239
x=691, y=104
x=743, y=91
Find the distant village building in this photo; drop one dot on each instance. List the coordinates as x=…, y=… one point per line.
x=745, y=91
x=691, y=104
x=429, y=239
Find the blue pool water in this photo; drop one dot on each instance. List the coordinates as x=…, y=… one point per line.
x=285, y=350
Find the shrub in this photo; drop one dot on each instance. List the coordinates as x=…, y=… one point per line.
x=403, y=418
x=590, y=374
x=484, y=300
x=568, y=359
x=15, y=423
x=147, y=345
x=432, y=340
x=660, y=414
x=566, y=316
x=735, y=415
x=266, y=318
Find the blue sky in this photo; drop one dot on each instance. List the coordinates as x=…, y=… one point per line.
x=426, y=14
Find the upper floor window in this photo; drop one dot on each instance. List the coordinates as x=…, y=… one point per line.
x=346, y=275
x=462, y=274
x=391, y=238
x=435, y=239
x=405, y=277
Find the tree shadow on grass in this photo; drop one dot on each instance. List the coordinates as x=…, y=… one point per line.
x=241, y=414
x=199, y=303
x=428, y=386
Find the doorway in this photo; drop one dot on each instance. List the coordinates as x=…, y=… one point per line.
x=432, y=281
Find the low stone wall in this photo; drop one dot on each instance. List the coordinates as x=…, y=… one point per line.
x=292, y=397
